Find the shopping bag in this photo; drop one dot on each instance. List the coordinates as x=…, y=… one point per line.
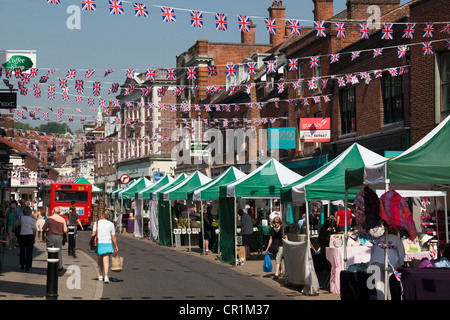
x=116, y=263
x=267, y=267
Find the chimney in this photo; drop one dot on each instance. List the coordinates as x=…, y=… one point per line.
x=249, y=37
x=277, y=12
x=357, y=9
x=323, y=10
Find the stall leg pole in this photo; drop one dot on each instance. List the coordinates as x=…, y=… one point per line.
x=171, y=227
x=203, y=228
x=235, y=232
x=345, y=228
x=189, y=227
x=446, y=219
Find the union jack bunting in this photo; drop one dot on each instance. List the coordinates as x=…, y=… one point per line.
x=408, y=32
x=88, y=5
x=108, y=72
x=251, y=68
x=170, y=74
x=89, y=73
x=168, y=14
x=62, y=83
x=280, y=87
x=377, y=52
x=314, y=61
x=364, y=29
x=54, y=2
x=33, y=72
x=270, y=25
x=221, y=22
x=320, y=28
x=196, y=19
x=334, y=57
x=428, y=30
x=326, y=98
x=197, y=107
x=115, y=7
x=355, y=54
x=446, y=29
x=293, y=64
x=271, y=66
x=324, y=83
x=312, y=84
x=340, y=29
x=212, y=71
x=244, y=23
x=387, y=32
x=91, y=102
x=341, y=81
x=191, y=73
x=207, y=108
x=378, y=74
x=231, y=70
x=427, y=48
x=150, y=74
x=78, y=99
x=79, y=86
x=71, y=74
x=173, y=107
x=393, y=72
x=96, y=88
x=51, y=92
x=401, y=51
x=140, y=10
x=294, y=25
x=130, y=73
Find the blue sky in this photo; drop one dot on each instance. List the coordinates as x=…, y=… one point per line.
x=121, y=41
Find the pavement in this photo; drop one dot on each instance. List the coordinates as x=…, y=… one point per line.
x=78, y=279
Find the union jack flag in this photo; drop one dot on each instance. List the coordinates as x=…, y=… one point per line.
x=51, y=92
x=324, y=83
x=78, y=110
x=170, y=74
x=244, y=23
x=320, y=28
x=168, y=14
x=364, y=29
x=151, y=74
x=71, y=74
x=63, y=83
x=378, y=74
x=402, y=51
x=355, y=54
x=33, y=72
x=393, y=72
x=221, y=22
x=191, y=73
x=295, y=27
x=54, y=2
x=271, y=66
x=231, y=70
x=89, y=73
x=341, y=81
x=270, y=25
x=88, y=5
x=280, y=87
x=334, y=57
x=427, y=48
x=428, y=30
x=212, y=71
x=314, y=61
x=108, y=72
x=140, y=10
x=326, y=98
x=96, y=88
x=45, y=114
x=387, y=32
x=197, y=107
x=340, y=29
x=173, y=107
x=251, y=68
x=130, y=73
x=196, y=19
x=102, y=102
x=207, y=108
x=445, y=29
x=377, y=52
x=78, y=99
x=115, y=7
x=293, y=64
x=408, y=32
x=312, y=84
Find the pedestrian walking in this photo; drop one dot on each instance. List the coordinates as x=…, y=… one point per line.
x=27, y=235
x=275, y=244
x=105, y=231
x=10, y=235
x=40, y=221
x=55, y=227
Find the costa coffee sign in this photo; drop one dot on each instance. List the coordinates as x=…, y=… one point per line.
x=315, y=129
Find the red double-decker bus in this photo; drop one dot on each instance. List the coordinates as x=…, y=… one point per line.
x=62, y=194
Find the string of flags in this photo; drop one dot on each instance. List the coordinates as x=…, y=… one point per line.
x=168, y=15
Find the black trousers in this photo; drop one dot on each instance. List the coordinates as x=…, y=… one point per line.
x=26, y=244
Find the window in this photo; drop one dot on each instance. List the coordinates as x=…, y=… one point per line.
x=348, y=110
x=444, y=72
x=392, y=98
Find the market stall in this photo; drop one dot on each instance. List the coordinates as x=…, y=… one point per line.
x=144, y=195
x=180, y=192
x=424, y=166
x=263, y=183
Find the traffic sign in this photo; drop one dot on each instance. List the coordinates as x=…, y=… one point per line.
x=125, y=179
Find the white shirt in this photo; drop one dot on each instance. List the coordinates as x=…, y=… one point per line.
x=275, y=214
x=27, y=224
x=105, y=231
x=395, y=256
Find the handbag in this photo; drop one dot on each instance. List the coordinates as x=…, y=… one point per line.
x=267, y=266
x=93, y=242
x=116, y=263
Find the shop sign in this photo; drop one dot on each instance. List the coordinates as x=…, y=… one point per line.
x=315, y=130
x=18, y=62
x=281, y=138
x=8, y=100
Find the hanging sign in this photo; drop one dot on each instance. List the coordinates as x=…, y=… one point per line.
x=125, y=179
x=315, y=130
x=8, y=100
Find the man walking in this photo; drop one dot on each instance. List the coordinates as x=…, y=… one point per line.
x=55, y=227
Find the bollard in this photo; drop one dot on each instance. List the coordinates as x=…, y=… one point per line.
x=71, y=250
x=52, y=274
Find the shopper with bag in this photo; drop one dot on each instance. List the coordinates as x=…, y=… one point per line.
x=105, y=232
x=275, y=244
